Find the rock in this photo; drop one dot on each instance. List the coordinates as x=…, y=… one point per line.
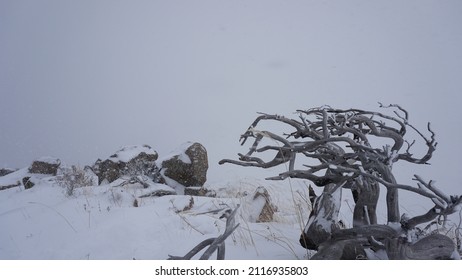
x=128, y=161
x=158, y=193
x=6, y=171
x=5, y=187
x=195, y=191
x=262, y=208
x=107, y=170
x=45, y=165
x=156, y=190
x=199, y=191
x=27, y=182
x=10, y=178
x=188, y=165
x=135, y=154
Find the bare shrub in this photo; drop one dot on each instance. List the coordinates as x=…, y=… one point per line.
x=72, y=178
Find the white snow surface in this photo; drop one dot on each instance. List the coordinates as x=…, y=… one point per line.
x=179, y=152
x=127, y=153
x=102, y=222
x=49, y=160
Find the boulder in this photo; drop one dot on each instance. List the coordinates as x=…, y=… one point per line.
x=107, y=170
x=27, y=182
x=45, y=165
x=262, y=208
x=199, y=191
x=128, y=161
x=187, y=166
x=6, y=171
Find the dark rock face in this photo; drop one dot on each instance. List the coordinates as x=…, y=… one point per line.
x=6, y=171
x=128, y=161
x=107, y=170
x=44, y=165
x=5, y=187
x=8, y=184
x=27, y=183
x=188, y=169
x=196, y=191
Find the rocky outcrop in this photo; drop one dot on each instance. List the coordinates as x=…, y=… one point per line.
x=6, y=171
x=128, y=161
x=45, y=165
x=106, y=170
x=187, y=166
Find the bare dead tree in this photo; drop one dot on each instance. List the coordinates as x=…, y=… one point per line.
x=336, y=152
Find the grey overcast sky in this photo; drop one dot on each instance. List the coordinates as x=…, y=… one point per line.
x=80, y=79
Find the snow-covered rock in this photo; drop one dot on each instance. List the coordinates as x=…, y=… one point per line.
x=28, y=182
x=133, y=153
x=262, y=209
x=131, y=161
x=6, y=171
x=186, y=166
x=13, y=179
x=45, y=165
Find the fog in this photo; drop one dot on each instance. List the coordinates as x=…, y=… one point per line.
x=80, y=79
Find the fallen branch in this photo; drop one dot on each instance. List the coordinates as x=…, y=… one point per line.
x=214, y=244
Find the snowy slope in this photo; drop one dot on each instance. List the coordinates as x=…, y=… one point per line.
x=102, y=222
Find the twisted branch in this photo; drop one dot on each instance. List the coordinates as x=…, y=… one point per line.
x=214, y=244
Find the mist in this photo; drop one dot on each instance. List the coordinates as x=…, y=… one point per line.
x=80, y=79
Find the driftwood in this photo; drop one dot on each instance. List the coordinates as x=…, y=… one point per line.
x=215, y=244
x=333, y=149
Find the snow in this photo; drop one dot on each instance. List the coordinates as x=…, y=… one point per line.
x=179, y=152
x=102, y=222
x=127, y=153
x=177, y=186
x=256, y=206
x=49, y=160
x=14, y=177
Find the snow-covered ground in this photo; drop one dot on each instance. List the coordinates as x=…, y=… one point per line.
x=102, y=222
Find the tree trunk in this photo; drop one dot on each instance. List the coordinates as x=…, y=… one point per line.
x=392, y=199
x=432, y=247
x=323, y=218
x=341, y=250
x=366, y=195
